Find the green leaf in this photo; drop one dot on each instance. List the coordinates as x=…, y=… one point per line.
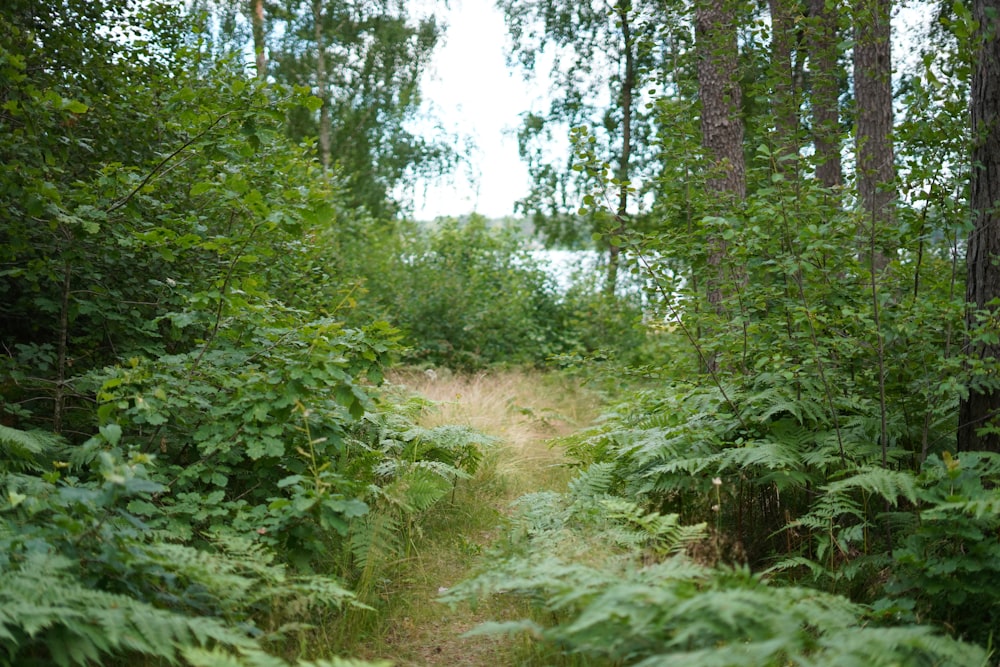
x=112, y=433
x=201, y=188
x=75, y=106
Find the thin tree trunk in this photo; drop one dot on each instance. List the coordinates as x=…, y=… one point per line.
x=784, y=98
x=62, y=350
x=259, y=47
x=628, y=85
x=982, y=406
x=321, y=86
x=826, y=76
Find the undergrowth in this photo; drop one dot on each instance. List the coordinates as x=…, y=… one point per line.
x=614, y=584
x=521, y=411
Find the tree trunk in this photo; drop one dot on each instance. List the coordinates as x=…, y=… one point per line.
x=59, y=396
x=873, y=133
x=257, y=21
x=628, y=85
x=826, y=76
x=721, y=99
x=721, y=127
x=784, y=97
x=982, y=406
x=321, y=86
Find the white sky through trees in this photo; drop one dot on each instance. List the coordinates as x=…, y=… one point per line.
x=478, y=98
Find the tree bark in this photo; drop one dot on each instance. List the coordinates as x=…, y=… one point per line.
x=722, y=129
x=257, y=22
x=721, y=98
x=321, y=86
x=623, y=175
x=826, y=76
x=873, y=100
x=982, y=406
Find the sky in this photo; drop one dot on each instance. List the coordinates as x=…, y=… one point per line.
x=477, y=97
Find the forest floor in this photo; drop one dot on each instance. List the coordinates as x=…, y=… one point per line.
x=525, y=412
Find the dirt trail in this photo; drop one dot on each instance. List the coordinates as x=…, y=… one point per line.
x=525, y=411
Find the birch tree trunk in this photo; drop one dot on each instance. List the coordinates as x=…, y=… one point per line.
x=321, y=86
x=623, y=174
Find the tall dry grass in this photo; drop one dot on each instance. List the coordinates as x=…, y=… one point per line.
x=524, y=410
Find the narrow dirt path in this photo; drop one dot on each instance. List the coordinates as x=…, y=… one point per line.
x=525, y=412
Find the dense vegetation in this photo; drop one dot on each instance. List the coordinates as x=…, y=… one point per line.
x=204, y=280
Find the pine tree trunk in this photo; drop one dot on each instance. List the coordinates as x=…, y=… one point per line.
x=873, y=134
x=722, y=129
x=721, y=99
x=826, y=76
x=982, y=406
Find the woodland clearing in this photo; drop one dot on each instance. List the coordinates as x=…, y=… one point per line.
x=525, y=411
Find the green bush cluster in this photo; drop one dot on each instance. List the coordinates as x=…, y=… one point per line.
x=194, y=443
x=468, y=294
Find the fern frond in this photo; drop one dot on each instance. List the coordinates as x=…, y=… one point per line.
x=200, y=657
x=43, y=608
x=423, y=486
x=594, y=482
x=22, y=450
x=442, y=471
x=891, y=485
x=662, y=532
x=374, y=538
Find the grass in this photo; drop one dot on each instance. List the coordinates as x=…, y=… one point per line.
x=524, y=411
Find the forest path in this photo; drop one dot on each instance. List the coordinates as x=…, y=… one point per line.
x=524, y=411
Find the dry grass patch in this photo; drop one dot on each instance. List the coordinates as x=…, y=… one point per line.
x=524, y=411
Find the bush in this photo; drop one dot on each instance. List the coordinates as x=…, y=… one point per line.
x=468, y=295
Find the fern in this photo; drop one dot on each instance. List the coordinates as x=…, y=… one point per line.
x=663, y=533
x=44, y=609
x=22, y=451
x=678, y=613
x=593, y=483
x=199, y=657
x=374, y=539
x=890, y=485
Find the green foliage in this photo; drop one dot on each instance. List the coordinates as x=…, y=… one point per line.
x=84, y=579
x=255, y=435
x=467, y=296
x=187, y=448
x=599, y=50
x=215, y=658
x=48, y=617
x=376, y=55
x=418, y=468
x=947, y=561
x=611, y=599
